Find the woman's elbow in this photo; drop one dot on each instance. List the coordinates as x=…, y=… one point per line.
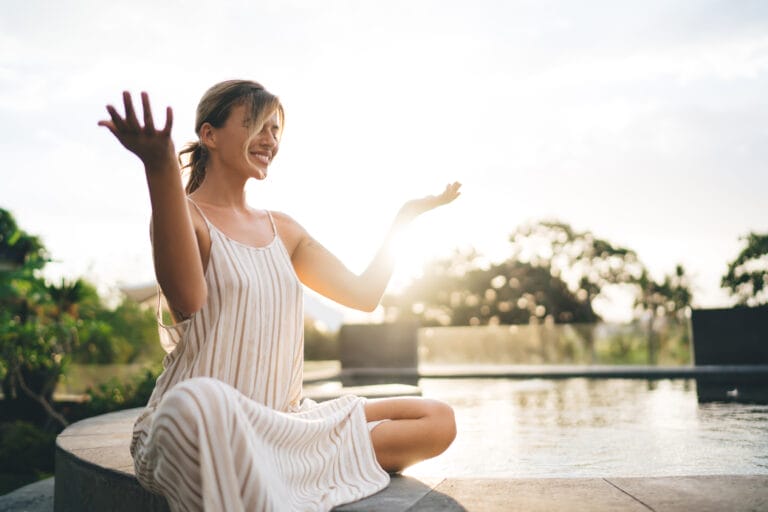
x=194, y=306
x=368, y=306
x=188, y=302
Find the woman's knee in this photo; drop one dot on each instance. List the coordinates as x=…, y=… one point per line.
x=191, y=400
x=443, y=423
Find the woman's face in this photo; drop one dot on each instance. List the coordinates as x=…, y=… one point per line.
x=239, y=148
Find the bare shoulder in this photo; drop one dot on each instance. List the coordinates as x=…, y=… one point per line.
x=198, y=222
x=291, y=232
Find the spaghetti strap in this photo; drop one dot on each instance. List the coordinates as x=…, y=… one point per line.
x=159, y=315
x=200, y=211
x=274, y=228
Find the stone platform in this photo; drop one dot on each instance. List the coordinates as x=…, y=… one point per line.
x=94, y=467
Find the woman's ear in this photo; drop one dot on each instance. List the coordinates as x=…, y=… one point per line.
x=208, y=136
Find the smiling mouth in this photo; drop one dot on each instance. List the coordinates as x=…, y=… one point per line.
x=260, y=157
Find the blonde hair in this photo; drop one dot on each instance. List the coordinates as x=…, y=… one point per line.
x=214, y=108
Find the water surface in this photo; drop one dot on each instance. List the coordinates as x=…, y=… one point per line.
x=594, y=428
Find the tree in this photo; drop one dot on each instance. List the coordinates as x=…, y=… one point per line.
x=747, y=275
x=661, y=301
x=553, y=270
x=587, y=263
x=122, y=335
x=42, y=324
x=509, y=292
x=45, y=326
x=35, y=328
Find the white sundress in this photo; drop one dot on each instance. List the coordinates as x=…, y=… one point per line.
x=226, y=428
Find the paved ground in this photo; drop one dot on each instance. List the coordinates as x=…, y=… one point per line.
x=36, y=497
x=673, y=494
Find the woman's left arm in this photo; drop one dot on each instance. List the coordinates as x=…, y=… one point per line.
x=323, y=272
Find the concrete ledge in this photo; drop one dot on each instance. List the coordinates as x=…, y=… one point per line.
x=94, y=467
x=320, y=394
x=591, y=371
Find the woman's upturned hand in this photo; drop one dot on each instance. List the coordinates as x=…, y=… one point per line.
x=416, y=207
x=154, y=147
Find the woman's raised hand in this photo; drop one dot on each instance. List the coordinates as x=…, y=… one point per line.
x=415, y=207
x=152, y=146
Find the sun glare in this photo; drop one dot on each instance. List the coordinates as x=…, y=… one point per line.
x=411, y=255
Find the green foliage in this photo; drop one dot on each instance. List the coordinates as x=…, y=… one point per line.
x=585, y=262
x=125, y=334
x=458, y=291
x=672, y=296
x=26, y=454
x=19, y=250
x=38, y=321
x=630, y=345
x=40, y=326
x=24, y=446
x=116, y=395
x=45, y=326
x=747, y=275
x=34, y=351
x=552, y=271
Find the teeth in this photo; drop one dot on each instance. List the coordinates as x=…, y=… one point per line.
x=263, y=158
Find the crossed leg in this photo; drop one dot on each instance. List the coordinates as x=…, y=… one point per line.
x=421, y=428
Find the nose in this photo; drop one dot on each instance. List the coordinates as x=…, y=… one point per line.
x=268, y=138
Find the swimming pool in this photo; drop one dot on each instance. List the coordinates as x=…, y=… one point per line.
x=583, y=427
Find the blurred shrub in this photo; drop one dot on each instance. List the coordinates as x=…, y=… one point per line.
x=26, y=454
x=24, y=446
x=747, y=275
x=115, y=395
x=123, y=335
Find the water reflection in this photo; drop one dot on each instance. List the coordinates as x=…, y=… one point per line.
x=727, y=388
x=587, y=427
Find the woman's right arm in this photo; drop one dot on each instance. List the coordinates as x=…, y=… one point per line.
x=175, y=247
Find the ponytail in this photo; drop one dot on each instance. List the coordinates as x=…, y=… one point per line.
x=198, y=157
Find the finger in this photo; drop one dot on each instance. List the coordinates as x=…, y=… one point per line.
x=110, y=126
x=130, y=115
x=168, y=121
x=149, y=123
x=116, y=119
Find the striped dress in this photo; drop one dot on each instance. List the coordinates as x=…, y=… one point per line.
x=226, y=428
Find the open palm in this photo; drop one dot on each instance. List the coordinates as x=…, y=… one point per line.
x=415, y=207
x=152, y=146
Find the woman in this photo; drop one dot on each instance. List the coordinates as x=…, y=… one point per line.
x=226, y=427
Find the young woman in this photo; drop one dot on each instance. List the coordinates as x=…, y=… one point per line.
x=226, y=427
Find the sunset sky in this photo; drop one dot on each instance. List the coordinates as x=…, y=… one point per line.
x=644, y=122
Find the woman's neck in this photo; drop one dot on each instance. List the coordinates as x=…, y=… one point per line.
x=221, y=190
